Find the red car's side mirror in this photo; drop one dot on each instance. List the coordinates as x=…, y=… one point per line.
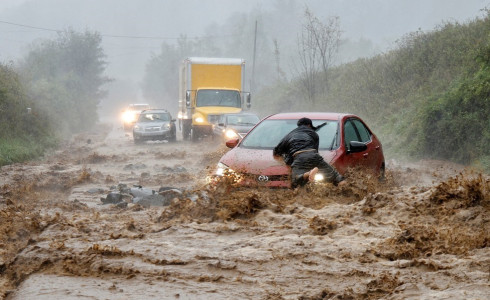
x=232, y=143
x=357, y=147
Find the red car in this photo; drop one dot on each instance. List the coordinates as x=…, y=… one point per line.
x=345, y=141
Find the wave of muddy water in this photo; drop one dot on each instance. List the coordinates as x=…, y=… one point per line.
x=422, y=234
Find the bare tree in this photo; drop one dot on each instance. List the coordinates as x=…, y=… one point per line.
x=317, y=45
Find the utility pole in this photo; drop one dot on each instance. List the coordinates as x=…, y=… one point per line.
x=252, y=81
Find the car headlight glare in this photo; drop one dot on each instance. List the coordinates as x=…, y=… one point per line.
x=319, y=177
x=128, y=116
x=227, y=175
x=220, y=170
x=231, y=134
x=199, y=120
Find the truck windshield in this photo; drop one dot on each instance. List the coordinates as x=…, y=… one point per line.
x=218, y=98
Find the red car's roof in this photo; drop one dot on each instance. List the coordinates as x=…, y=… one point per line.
x=311, y=115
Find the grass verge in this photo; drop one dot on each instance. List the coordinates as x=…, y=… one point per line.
x=20, y=149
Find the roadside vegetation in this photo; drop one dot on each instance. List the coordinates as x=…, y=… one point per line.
x=23, y=134
x=428, y=98
x=52, y=93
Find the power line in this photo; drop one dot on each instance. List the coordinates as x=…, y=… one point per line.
x=117, y=36
x=29, y=26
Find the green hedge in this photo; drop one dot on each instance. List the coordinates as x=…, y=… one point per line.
x=456, y=125
x=23, y=135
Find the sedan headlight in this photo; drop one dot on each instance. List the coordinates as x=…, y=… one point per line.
x=319, y=177
x=166, y=126
x=230, y=134
x=199, y=120
x=220, y=170
x=225, y=175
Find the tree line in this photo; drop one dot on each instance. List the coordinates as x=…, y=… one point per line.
x=52, y=93
x=265, y=40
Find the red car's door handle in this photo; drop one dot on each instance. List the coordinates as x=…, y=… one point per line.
x=377, y=147
x=365, y=155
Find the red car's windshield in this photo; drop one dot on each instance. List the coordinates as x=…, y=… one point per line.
x=268, y=133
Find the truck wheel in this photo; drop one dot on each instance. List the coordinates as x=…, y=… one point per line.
x=185, y=132
x=194, y=135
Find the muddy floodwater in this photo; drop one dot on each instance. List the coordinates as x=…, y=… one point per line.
x=423, y=233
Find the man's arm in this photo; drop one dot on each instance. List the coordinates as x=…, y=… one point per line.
x=281, y=148
x=277, y=150
x=316, y=141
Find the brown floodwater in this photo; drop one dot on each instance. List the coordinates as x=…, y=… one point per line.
x=424, y=233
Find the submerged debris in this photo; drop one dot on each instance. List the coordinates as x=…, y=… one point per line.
x=139, y=195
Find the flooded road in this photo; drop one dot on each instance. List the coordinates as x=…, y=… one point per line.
x=424, y=233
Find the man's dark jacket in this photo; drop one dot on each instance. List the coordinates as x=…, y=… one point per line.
x=301, y=138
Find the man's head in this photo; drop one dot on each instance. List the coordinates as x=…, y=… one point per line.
x=305, y=121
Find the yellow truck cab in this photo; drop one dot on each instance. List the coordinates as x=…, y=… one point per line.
x=209, y=88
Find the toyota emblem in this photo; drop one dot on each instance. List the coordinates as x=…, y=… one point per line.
x=263, y=178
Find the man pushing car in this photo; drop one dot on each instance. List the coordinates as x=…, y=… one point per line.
x=299, y=149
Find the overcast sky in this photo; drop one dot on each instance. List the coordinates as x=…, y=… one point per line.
x=381, y=21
